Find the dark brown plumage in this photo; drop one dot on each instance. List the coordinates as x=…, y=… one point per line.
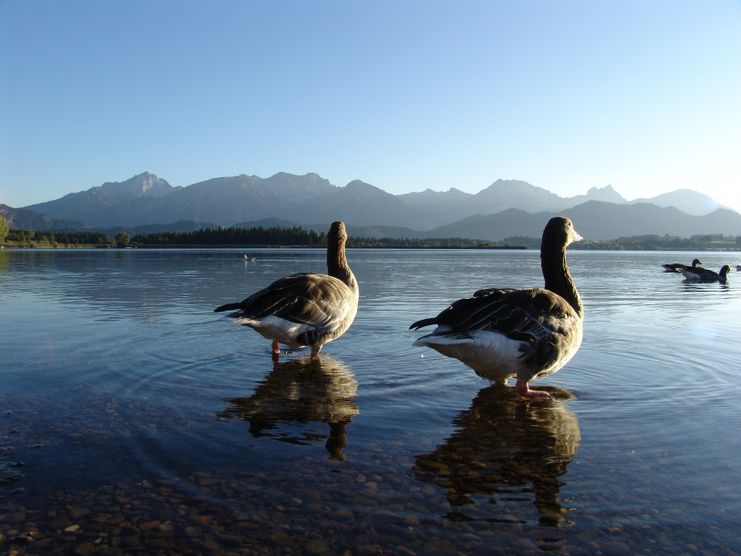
x=678, y=267
x=699, y=274
x=525, y=333
x=305, y=309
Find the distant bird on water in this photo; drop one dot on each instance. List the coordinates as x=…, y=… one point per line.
x=678, y=267
x=526, y=333
x=305, y=309
x=704, y=275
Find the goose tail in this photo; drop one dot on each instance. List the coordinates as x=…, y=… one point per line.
x=422, y=323
x=228, y=307
x=441, y=341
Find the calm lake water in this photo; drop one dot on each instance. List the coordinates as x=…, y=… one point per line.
x=134, y=419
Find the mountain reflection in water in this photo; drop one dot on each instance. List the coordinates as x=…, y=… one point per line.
x=504, y=448
x=301, y=391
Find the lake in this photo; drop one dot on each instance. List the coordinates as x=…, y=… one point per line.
x=133, y=419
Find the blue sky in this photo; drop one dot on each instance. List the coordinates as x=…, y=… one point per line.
x=404, y=94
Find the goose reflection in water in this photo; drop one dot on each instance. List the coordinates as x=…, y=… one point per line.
x=505, y=449
x=301, y=391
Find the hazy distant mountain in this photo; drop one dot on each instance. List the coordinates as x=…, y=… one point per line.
x=495, y=227
x=430, y=209
x=359, y=202
x=507, y=194
x=686, y=200
x=597, y=221
x=86, y=206
x=23, y=219
x=229, y=200
x=148, y=201
x=605, y=194
x=222, y=201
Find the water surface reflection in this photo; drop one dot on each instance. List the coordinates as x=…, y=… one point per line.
x=301, y=391
x=114, y=368
x=505, y=448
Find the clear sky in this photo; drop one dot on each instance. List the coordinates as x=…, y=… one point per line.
x=403, y=94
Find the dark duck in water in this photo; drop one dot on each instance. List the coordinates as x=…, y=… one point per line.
x=700, y=274
x=678, y=267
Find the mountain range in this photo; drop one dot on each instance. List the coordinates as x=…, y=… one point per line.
x=503, y=209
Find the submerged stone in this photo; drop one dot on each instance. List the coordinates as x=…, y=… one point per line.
x=9, y=472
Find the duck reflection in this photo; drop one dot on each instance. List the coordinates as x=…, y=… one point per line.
x=505, y=448
x=301, y=391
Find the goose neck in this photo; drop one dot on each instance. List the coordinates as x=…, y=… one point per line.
x=338, y=267
x=558, y=277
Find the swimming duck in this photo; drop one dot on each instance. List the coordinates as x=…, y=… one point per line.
x=305, y=309
x=677, y=267
x=527, y=333
x=704, y=275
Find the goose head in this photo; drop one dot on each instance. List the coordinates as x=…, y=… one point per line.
x=337, y=235
x=560, y=232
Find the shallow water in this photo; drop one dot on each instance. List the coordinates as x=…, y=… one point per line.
x=134, y=419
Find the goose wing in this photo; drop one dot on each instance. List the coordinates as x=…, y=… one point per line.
x=539, y=318
x=699, y=273
x=318, y=300
x=503, y=310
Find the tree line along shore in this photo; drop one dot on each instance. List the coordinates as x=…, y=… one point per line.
x=300, y=237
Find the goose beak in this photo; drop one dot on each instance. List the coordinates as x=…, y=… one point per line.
x=577, y=237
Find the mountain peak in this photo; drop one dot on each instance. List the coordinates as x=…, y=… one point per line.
x=145, y=184
x=511, y=184
x=361, y=186
x=506, y=194
x=606, y=194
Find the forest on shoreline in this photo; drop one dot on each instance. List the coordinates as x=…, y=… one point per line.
x=300, y=237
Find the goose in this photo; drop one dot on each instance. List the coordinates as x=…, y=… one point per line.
x=305, y=309
x=306, y=390
x=527, y=333
x=704, y=275
x=677, y=267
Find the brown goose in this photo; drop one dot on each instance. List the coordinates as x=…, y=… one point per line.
x=526, y=333
x=305, y=309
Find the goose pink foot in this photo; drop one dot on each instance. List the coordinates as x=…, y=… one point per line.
x=276, y=350
x=524, y=390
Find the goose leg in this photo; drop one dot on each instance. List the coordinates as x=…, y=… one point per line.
x=316, y=348
x=276, y=350
x=524, y=390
